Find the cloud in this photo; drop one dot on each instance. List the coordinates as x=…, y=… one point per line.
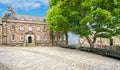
x=24, y=4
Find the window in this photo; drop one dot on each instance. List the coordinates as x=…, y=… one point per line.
x=13, y=38
x=29, y=19
x=60, y=37
x=45, y=28
x=45, y=37
x=22, y=18
x=12, y=27
x=21, y=27
x=30, y=28
x=38, y=28
x=22, y=38
x=38, y=37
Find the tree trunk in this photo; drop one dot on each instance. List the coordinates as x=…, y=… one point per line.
x=66, y=34
x=90, y=42
x=52, y=37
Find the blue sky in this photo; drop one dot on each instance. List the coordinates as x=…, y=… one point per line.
x=27, y=7
x=32, y=8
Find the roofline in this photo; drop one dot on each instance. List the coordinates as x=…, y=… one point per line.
x=29, y=15
x=25, y=21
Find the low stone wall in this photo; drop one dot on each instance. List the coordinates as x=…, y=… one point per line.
x=104, y=52
x=114, y=48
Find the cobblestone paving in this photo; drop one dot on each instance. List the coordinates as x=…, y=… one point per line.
x=54, y=58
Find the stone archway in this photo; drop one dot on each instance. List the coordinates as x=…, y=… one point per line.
x=29, y=39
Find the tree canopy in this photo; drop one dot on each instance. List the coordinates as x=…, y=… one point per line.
x=88, y=18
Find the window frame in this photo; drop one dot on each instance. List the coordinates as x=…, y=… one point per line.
x=45, y=29
x=13, y=38
x=13, y=27
x=21, y=37
x=37, y=39
x=45, y=37
x=30, y=28
x=22, y=27
x=38, y=30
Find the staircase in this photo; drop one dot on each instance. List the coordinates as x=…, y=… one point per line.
x=30, y=45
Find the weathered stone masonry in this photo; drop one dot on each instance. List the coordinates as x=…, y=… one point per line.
x=21, y=30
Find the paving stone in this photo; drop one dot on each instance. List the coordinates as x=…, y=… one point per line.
x=54, y=58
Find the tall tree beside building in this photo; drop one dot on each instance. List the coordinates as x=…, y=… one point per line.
x=56, y=21
x=101, y=20
x=90, y=18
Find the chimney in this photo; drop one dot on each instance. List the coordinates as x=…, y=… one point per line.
x=10, y=10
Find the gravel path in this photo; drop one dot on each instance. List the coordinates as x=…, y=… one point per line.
x=54, y=58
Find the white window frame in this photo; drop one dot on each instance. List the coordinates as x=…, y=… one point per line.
x=45, y=37
x=21, y=37
x=45, y=29
x=37, y=28
x=12, y=27
x=21, y=27
x=30, y=28
x=38, y=38
x=12, y=37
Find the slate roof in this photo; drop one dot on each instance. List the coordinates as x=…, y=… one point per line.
x=25, y=17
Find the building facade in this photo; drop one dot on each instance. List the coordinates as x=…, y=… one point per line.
x=0, y=30
x=101, y=41
x=25, y=30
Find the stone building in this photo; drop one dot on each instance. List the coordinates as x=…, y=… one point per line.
x=101, y=41
x=22, y=30
x=0, y=30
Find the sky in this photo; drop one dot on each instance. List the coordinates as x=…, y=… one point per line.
x=31, y=8
x=25, y=7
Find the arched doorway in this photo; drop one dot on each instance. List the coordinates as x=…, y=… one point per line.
x=29, y=39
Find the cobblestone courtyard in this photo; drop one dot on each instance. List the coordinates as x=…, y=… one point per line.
x=53, y=58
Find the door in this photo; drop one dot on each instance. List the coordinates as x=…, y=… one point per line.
x=29, y=39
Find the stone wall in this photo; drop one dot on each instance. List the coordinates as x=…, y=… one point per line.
x=0, y=34
x=17, y=32
x=100, y=41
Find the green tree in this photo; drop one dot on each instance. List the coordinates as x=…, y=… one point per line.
x=98, y=20
x=91, y=18
x=57, y=22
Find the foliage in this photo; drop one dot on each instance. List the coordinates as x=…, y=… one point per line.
x=88, y=18
x=56, y=21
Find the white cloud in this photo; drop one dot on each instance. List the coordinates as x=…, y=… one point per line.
x=24, y=4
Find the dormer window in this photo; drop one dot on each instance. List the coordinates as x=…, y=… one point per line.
x=14, y=17
x=29, y=19
x=22, y=18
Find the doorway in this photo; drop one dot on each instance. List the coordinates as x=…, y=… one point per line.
x=111, y=42
x=29, y=39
